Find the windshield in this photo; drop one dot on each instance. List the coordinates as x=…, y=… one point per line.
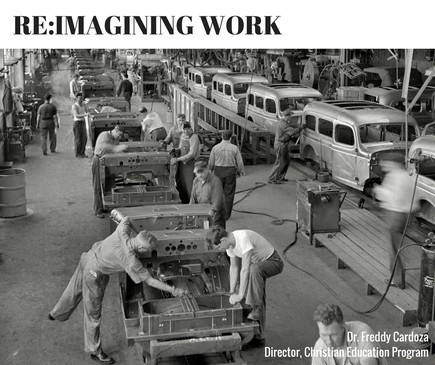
x=298, y=103
x=241, y=88
x=207, y=78
x=378, y=132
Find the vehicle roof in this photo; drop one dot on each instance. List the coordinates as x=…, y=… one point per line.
x=426, y=143
x=357, y=112
x=237, y=77
x=286, y=90
x=210, y=69
x=392, y=91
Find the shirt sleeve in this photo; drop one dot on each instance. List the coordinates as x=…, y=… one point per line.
x=193, y=197
x=211, y=160
x=231, y=253
x=239, y=160
x=193, y=150
x=137, y=272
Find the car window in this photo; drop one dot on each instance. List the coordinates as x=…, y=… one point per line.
x=214, y=85
x=259, y=102
x=344, y=134
x=310, y=121
x=227, y=89
x=426, y=167
x=208, y=78
x=373, y=79
x=251, y=99
x=270, y=106
x=198, y=79
x=241, y=88
x=325, y=127
x=379, y=132
x=220, y=87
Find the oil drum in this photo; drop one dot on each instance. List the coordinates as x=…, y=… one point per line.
x=12, y=193
x=425, y=299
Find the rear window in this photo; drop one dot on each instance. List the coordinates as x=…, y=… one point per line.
x=344, y=135
x=325, y=127
x=373, y=79
x=240, y=88
x=208, y=78
x=310, y=122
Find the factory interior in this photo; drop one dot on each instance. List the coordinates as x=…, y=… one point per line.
x=199, y=189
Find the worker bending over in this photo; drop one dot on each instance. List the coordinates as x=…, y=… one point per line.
x=255, y=258
x=207, y=189
x=116, y=254
x=153, y=124
x=339, y=339
x=107, y=142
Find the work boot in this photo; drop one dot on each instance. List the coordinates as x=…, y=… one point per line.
x=102, y=357
x=255, y=314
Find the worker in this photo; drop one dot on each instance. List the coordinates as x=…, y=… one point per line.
x=207, y=189
x=395, y=196
x=125, y=90
x=342, y=342
x=174, y=134
x=75, y=86
x=226, y=163
x=106, y=109
x=190, y=149
x=116, y=254
x=134, y=78
x=286, y=129
x=80, y=112
x=254, y=257
x=18, y=109
x=48, y=120
x=107, y=142
x=153, y=124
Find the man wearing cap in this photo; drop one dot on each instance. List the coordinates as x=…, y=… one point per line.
x=47, y=120
x=395, y=195
x=286, y=129
x=107, y=142
x=75, y=86
x=226, y=163
x=80, y=112
x=207, y=189
x=190, y=148
x=153, y=124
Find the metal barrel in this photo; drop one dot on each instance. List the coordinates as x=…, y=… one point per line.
x=12, y=193
x=425, y=299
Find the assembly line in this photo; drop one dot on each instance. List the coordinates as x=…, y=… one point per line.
x=181, y=197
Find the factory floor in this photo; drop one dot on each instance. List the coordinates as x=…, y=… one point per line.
x=40, y=253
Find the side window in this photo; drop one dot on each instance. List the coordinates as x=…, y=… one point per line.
x=259, y=102
x=251, y=99
x=310, y=121
x=344, y=135
x=227, y=89
x=198, y=79
x=325, y=127
x=214, y=85
x=270, y=106
x=220, y=87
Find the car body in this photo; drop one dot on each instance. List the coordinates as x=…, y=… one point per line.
x=200, y=79
x=422, y=159
x=387, y=76
x=349, y=139
x=229, y=90
x=267, y=102
x=390, y=96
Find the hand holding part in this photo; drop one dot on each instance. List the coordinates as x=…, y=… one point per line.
x=234, y=299
x=178, y=292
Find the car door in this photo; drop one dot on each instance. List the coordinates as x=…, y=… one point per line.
x=344, y=157
x=325, y=130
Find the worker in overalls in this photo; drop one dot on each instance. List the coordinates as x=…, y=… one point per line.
x=116, y=254
x=254, y=257
x=107, y=142
x=190, y=148
x=286, y=129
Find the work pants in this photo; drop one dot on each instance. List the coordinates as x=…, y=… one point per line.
x=158, y=134
x=256, y=292
x=96, y=183
x=228, y=177
x=89, y=284
x=80, y=137
x=396, y=222
x=48, y=130
x=185, y=180
x=282, y=161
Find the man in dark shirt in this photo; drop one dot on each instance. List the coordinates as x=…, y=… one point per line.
x=207, y=189
x=48, y=121
x=125, y=90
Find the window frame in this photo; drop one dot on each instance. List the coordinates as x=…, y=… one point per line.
x=262, y=102
x=227, y=87
x=319, y=120
x=266, y=106
x=339, y=125
x=315, y=122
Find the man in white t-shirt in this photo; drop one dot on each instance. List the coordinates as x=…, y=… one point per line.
x=343, y=343
x=255, y=258
x=153, y=124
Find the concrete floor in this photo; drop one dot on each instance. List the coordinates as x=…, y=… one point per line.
x=40, y=253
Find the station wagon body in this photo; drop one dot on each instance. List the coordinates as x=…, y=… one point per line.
x=350, y=138
x=267, y=102
x=229, y=90
x=199, y=80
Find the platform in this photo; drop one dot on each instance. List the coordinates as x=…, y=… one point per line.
x=362, y=245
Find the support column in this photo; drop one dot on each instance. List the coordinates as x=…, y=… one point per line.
x=19, y=69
